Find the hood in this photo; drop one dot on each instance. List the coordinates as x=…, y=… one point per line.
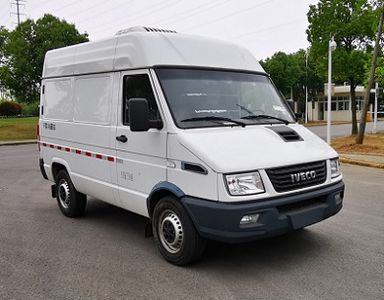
x=236, y=149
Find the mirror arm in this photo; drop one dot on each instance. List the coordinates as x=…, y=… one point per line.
x=158, y=124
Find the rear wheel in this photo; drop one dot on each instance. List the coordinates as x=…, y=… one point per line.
x=71, y=202
x=175, y=234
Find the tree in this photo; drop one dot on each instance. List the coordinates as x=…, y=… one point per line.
x=380, y=63
x=289, y=73
x=284, y=71
x=350, y=22
x=360, y=136
x=25, y=49
x=3, y=40
x=380, y=76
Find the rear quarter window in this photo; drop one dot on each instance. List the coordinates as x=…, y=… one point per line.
x=58, y=100
x=92, y=99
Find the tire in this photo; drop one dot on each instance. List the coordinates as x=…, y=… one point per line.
x=71, y=202
x=175, y=235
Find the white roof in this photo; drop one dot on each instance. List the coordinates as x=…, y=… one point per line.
x=141, y=49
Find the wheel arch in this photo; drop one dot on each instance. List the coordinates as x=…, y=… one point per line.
x=161, y=190
x=57, y=165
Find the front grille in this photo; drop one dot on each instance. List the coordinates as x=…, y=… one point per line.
x=297, y=176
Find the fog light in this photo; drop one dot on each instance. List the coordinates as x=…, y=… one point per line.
x=338, y=198
x=249, y=219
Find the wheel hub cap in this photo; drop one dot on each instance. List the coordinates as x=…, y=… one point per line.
x=171, y=231
x=64, y=194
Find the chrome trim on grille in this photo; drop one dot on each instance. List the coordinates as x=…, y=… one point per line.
x=281, y=177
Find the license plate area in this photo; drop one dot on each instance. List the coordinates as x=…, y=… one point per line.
x=305, y=217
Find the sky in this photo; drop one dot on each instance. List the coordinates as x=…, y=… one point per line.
x=262, y=26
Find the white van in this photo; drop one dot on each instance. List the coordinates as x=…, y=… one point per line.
x=187, y=131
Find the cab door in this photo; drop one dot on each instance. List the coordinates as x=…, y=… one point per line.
x=140, y=156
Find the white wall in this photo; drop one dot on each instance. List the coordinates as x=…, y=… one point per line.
x=338, y=115
x=343, y=116
x=313, y=113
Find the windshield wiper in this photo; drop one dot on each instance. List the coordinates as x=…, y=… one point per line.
x=246, y=109
x=250, y=117
x=214, y=118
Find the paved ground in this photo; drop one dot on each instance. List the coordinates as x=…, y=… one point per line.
x=104, y=255
x=342, y=130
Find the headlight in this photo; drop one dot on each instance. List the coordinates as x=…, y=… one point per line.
x=335, y=168
x=244, y=184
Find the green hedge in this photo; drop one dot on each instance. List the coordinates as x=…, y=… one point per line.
x=30, y=109
x=10, y=108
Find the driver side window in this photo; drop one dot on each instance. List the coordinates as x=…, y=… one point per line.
x=139, y=86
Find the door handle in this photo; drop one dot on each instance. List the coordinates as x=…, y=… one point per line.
x=122, y=138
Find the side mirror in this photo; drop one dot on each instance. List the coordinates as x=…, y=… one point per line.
x=139, y=115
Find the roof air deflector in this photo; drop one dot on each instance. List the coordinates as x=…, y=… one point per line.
x=143, y=29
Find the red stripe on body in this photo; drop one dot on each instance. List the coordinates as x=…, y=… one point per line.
x=78, y=151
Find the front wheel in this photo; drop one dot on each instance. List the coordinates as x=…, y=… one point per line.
x=175, y=235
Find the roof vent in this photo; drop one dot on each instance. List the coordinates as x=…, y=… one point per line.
x=144, y=29
x=286, y=133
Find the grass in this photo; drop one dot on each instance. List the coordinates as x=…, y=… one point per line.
x=373, y=144
x=15, y=129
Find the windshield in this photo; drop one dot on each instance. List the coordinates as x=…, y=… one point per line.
x=202, y=98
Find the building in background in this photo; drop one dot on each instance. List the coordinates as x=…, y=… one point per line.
x=341, y=105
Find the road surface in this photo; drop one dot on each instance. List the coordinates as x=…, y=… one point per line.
x=104, y=255
x=342, y=129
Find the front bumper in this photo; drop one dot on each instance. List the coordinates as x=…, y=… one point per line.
x=221, y=221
